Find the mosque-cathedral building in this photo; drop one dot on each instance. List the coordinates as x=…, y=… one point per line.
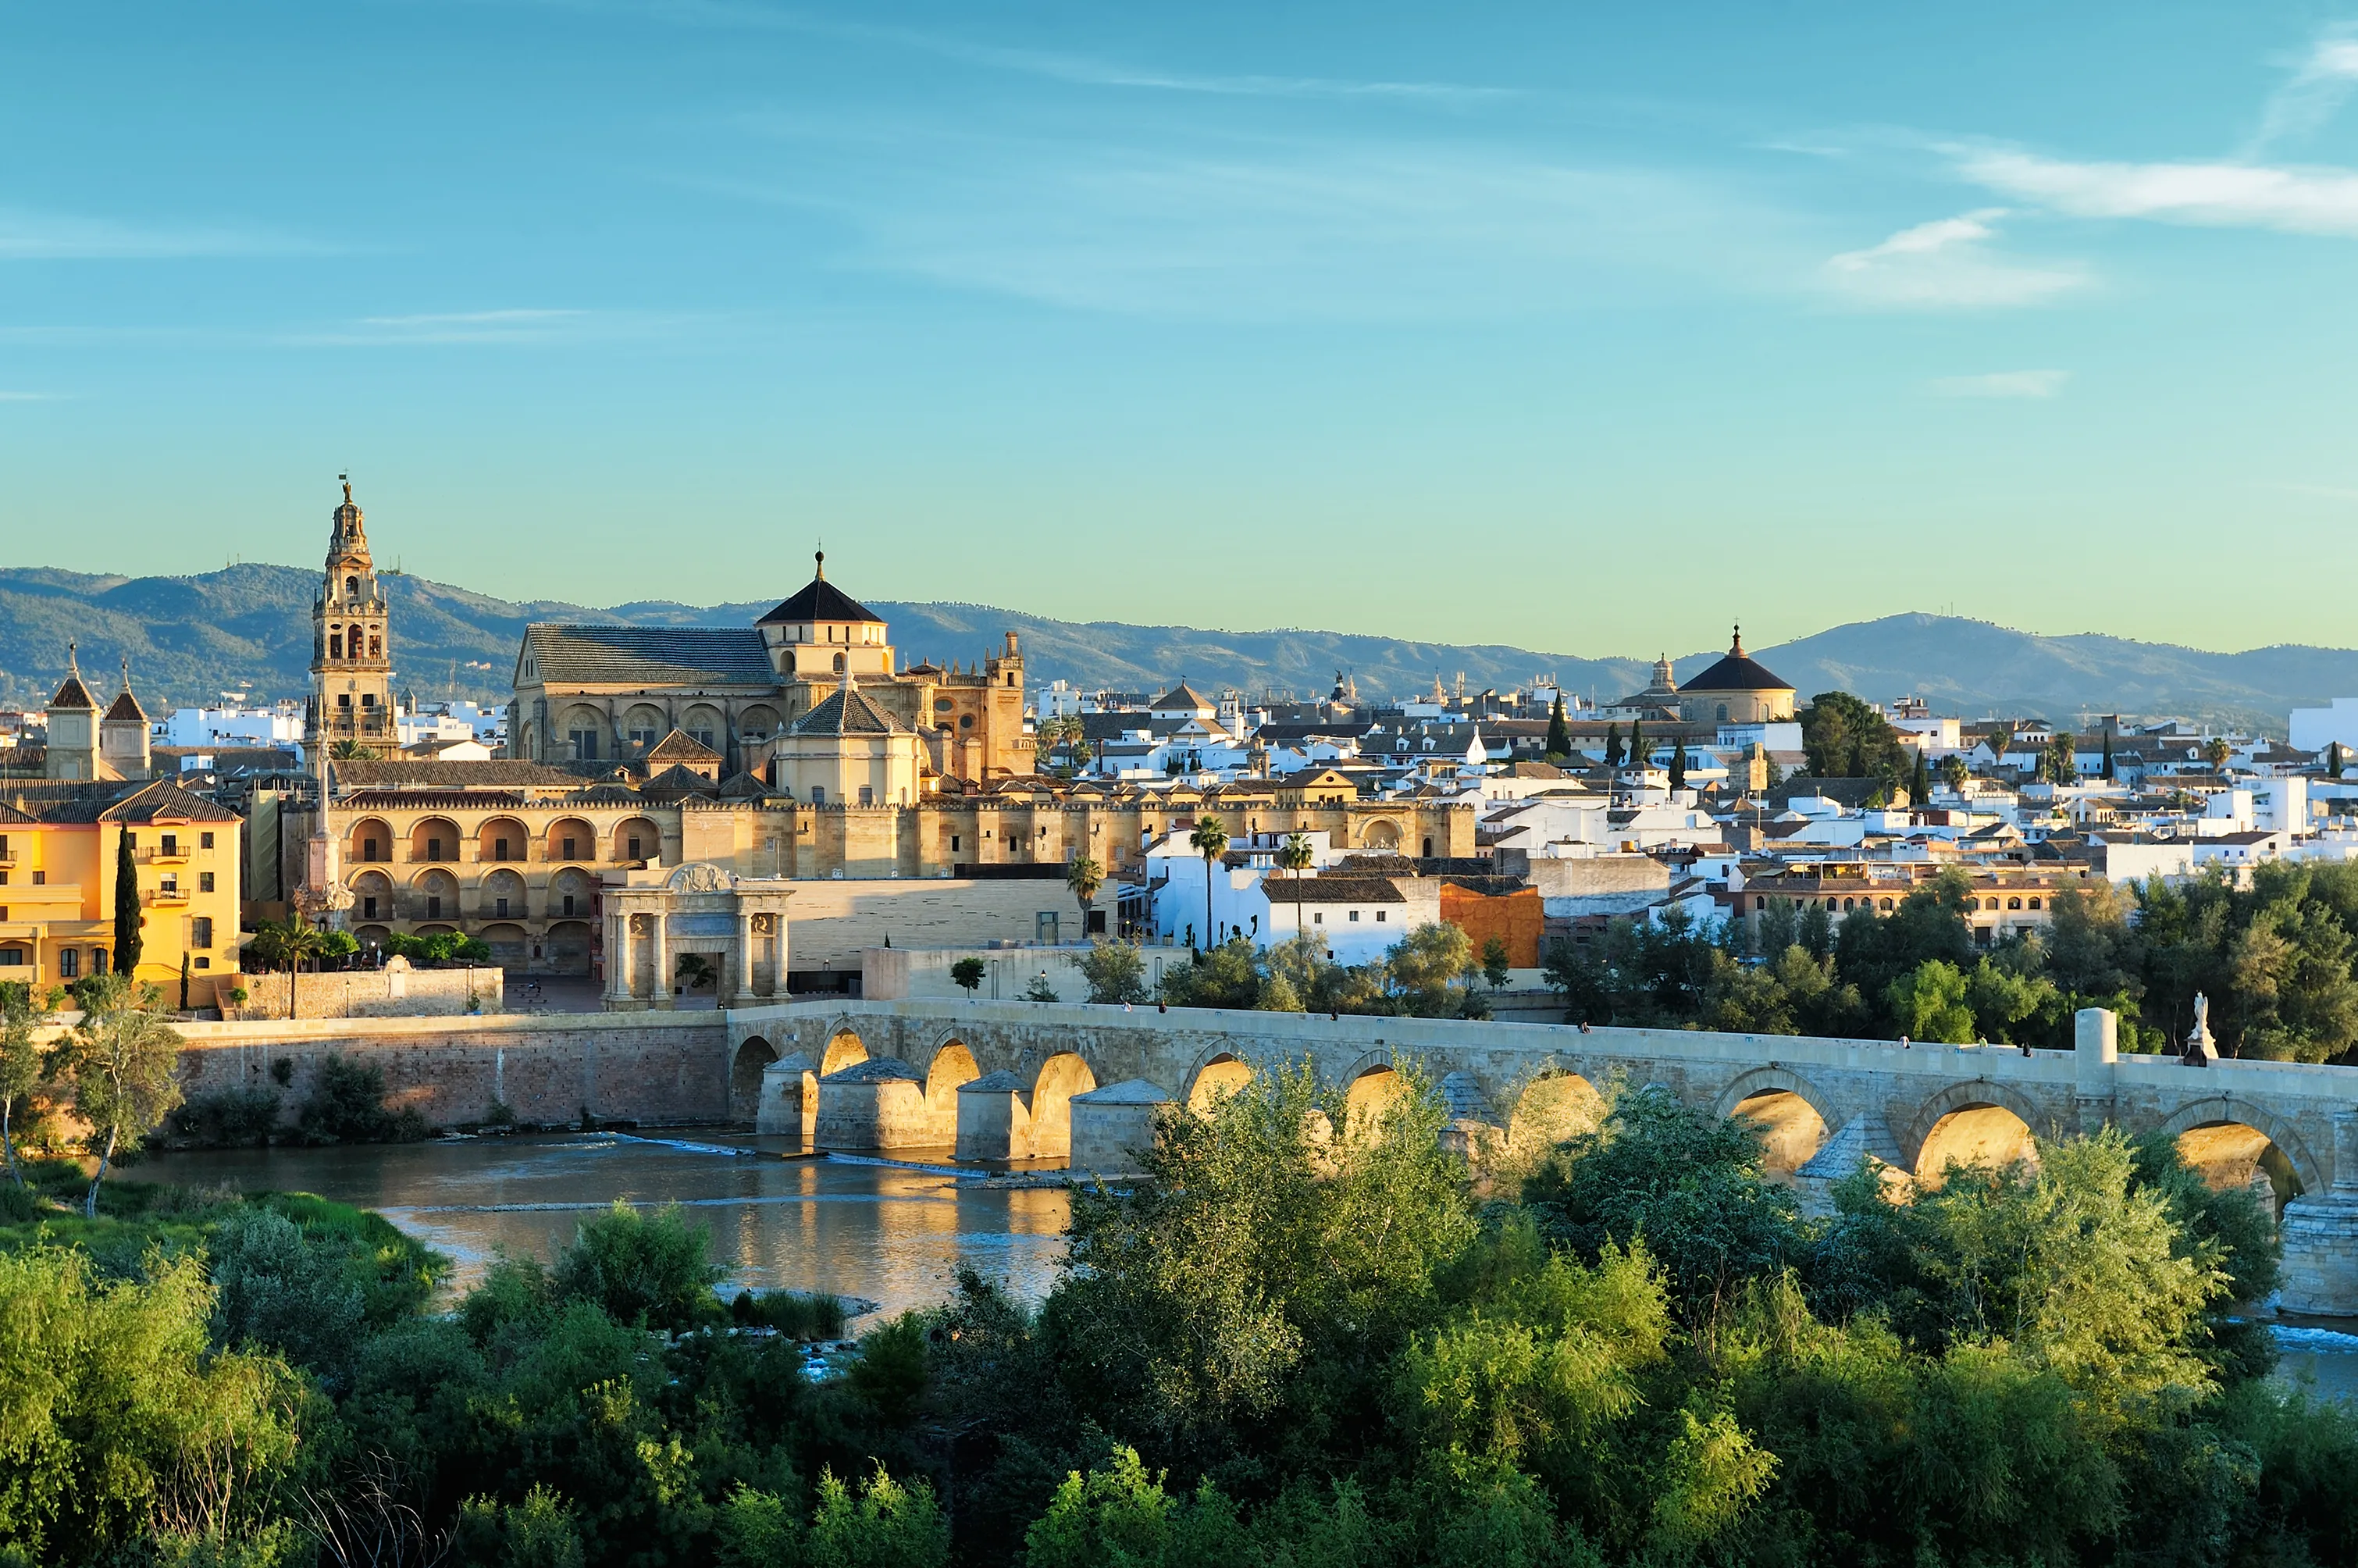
x=799, y=748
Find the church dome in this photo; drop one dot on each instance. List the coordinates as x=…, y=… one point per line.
x=1739, y=671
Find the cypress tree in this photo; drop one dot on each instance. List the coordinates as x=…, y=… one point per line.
x=2108, y=753
x=1613, y=745
x=1679, y=766
x=1858, y=757
x=2334, y=761
x=1637, y=743
x=126, y=906
x=1919, y=782
x=1558, y=737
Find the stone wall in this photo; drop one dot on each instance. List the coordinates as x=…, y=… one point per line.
x=647, y=1067
x=395, y=991
x=892, y=974
x=830, y=922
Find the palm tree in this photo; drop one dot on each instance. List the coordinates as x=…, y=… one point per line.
x=1211, y=841
x=288, y=942
x=1084, y=877
x=1295, y=857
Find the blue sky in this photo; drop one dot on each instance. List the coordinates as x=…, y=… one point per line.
x=1584, y=327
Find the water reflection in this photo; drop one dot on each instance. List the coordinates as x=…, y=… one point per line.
x=891, y=1236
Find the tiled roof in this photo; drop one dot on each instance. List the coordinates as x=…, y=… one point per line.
x=114, y=802
x=848, y=713
x=497, y=773
x=820, y=600
x=1341, y=890
x=1180, y=696
x=1737, y=671
x=649, y=655
x=126, y=706
x=681, y=747
x=73, y=694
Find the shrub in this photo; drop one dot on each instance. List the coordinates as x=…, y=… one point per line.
x=967, y=973
x=277, y=1288
x=791, y=1312
x=648, y=1270
x=347, y=1106
x=228, y=1119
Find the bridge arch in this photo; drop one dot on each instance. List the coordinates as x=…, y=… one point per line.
x=745, y=1065
x=1060, y=1077
x=1965, y=1123
x=1556, y=1103
x=1789, y=1111
x=951, y=1065
x=1373, y=1086
x=2227, y=1139
x=844, y=1048
x=1217, y=1075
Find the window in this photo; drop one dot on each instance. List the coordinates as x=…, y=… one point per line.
x=434, y=848
x=170, y=885
x=171, y=844
x=1759, y=901
x=373, y=850
x=838, y=663
x=433, y=906
x=1319, y=918
x=204, y=962
x=966, y=720
x=568, y=903
x=40, y=879
x=352, y=587
x=344, y=700
x=1428, y=847
x=1355, y=914
x=868, y=797
x=69, y=964
x=368, y=907
x=368, y=700
x=702, y=737
x=376, y=647
x=502, y=909
x=1887, y=903
x=631, y=846
x=204, y=841
x=954, y=843
x=201, y=932
x=2034, y=903
x=567, y=848
x=2014, y=903
x=11, y=957
x=336, y=646
x=1379, y=917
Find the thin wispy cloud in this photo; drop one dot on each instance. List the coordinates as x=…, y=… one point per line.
x=28, y=235
x=458, y=326
x=2208, y=195
x=1948, y=264
x=2320, y=85
x=1079, y=69
x=2021, y=384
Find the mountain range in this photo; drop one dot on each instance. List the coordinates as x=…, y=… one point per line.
x=247, y=628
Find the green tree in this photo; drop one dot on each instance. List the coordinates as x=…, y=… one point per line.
x=21, y=1017
x=1613, y=745
x=1426, y=965
x=1920, y=781
x=1638, y=743
x=1954, y=771
x=1116, y=973
x=1558, y=734
x=1678, y=765
x=1083, y=877
x=649, y=1270
x=1295, y=857
x=886, y=1525
x=120, y=1059
x=1844, y=736
x=1497, y=966
x=2108, y=772
x=2334, y=761
x=1211, y=841
x=2216, y=751
x=1929, y=1003
x=126, y=904
x=969, y=973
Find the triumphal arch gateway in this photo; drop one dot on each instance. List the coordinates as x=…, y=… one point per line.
x=655, y=918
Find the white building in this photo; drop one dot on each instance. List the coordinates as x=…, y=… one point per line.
x=281, y=725
x=2315, y=728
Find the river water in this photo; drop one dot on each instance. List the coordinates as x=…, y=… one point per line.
x=880, y=1232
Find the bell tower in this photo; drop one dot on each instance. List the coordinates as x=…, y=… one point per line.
x=352, y=663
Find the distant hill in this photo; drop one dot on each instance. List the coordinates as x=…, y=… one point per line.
x=190, y=639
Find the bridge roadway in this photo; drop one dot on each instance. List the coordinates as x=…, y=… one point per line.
x=998, y=1079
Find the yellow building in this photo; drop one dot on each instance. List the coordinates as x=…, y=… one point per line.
x=60, y=844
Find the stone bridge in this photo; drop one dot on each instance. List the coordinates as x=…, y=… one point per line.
x=1013, y=1081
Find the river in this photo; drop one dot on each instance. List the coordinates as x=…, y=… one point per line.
x=880, y=1232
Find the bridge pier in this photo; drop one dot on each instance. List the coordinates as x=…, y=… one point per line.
x=993, y=1122
x=1113, y=1127
x=2320, y=1232
x=879, y=1103
x=789, y=1097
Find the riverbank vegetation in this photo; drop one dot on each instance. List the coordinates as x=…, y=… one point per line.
x=1310, y=1337
x=2278, y=960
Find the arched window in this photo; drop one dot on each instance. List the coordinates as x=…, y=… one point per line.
x=335, y=645
x=2014, y=903
x=352, y=587
x=1850, y=904
x=1723, y=713
x=838, y=663
x=1887, y=903
x=2034, y=903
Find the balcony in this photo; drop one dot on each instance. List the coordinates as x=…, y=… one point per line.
x=171, y=895
x=161, y=855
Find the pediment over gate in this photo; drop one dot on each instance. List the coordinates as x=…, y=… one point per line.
x=700, y=876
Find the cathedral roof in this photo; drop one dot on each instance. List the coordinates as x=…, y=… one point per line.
x=114, y=802
x=681, y=747
x=1180, y=696
x=73, y=694
x=820, y=600
x=649, y=655
x=848, y=713
x=127, y=706
x=1737, y=671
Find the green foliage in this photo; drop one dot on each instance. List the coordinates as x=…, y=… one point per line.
x=1929, y=1003
x=1116, y=973
x=969, y=973
x=1042, y=989
x=225, y=1118
x=1844, y=737
x=120, y=1059
x=1559, y=735
x=792, y=1313
x=22, y=1015
x=1496, y=965
x=347, y=1106
x=276, y=1290
x=1425, y=967
x=442, y=949
x=888, y=1525
x=127, y=916
x=650, y=1271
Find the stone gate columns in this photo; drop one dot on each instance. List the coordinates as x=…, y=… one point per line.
x=658, y=942
x=2320, y=1235
x=744, y=965
x=618, y=960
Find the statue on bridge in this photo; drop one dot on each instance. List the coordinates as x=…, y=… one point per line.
x=2200, y=1046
